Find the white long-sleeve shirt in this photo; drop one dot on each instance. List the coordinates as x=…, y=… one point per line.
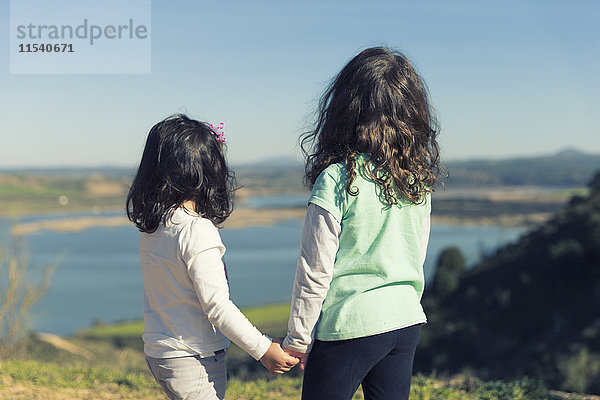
x=314, y=270
x=187, y=310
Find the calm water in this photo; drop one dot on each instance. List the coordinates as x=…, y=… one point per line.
x=98, y=276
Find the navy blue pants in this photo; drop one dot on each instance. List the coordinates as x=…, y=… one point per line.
x=382, y=363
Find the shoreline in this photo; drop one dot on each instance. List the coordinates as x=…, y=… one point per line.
x=240, y=218
x=249, y=217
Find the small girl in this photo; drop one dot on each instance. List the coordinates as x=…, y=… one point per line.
x=372, y=162
x=182, y=189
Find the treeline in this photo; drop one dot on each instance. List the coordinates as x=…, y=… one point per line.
x=566, y=168
x=530, y=309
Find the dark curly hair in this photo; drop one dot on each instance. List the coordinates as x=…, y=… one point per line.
x=378, y=105
x=182, y=160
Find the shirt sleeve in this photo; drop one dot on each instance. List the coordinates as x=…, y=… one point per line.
x=198, y=236
x=425, y=237
x=329, y=192
x=314, y=270
x=425, y=232
x=207, y=272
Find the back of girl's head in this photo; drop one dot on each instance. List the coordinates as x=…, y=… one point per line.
x=182, y=160
x=378, y=105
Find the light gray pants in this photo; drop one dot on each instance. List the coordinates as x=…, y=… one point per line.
x=191, y=378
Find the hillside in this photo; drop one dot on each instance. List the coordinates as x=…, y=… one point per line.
x=565, y=168
x=106, y=362
x=530, y=309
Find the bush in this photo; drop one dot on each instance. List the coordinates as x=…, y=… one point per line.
x=17, y=295
x=580, y=371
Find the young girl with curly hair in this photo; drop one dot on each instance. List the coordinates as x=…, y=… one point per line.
x=372, y=162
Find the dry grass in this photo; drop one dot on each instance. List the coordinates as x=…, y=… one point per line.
x=17, y=295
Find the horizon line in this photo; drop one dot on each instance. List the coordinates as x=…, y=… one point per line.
x=279, y=160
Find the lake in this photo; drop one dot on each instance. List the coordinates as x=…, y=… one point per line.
x=98, y=276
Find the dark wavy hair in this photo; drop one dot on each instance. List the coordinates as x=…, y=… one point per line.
x=378, y=105
x=182, y=160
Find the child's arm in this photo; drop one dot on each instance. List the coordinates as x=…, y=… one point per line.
x=208, y=275
x=424, y=243
x=314, y=271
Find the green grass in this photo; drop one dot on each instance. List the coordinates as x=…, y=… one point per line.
x=270, y=316
x=117, y=370
x=27, y=379
x=23, y=194
x=57, y=377
x=127, y=328
x=54, y=375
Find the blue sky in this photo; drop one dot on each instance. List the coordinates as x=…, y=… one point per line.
x=507, y=78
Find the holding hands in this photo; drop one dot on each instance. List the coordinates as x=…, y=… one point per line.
x=276, y=360
x=302, y=356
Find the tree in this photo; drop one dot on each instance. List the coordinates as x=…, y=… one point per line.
x=450, y=266
x=594, y=184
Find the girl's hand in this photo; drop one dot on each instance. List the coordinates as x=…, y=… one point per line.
x=276, y=360
x=302, y=356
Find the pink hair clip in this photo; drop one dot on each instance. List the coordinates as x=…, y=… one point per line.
x=218, y=132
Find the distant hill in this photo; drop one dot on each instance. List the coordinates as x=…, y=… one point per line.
x=570, y=168
x=73, y=172
x=530, y=309
x=286, y=162
x=272, y=176
x=565, y=168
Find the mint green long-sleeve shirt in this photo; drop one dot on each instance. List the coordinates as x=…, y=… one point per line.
x=375, y=281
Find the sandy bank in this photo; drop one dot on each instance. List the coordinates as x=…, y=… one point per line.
x=240, y=218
